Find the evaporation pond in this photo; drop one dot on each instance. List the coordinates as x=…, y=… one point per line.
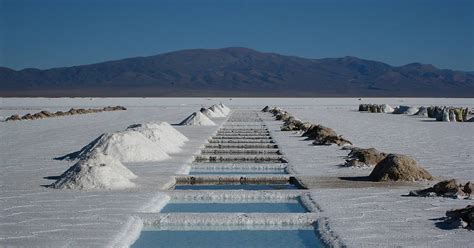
x=245, y=207
x=230, y=239
x=237, y=172
x=235, y=186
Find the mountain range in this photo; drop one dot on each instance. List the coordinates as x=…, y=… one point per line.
x=237, y=72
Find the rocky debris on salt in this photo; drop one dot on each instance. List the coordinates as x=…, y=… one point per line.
x=448, y=188
x=46, y=114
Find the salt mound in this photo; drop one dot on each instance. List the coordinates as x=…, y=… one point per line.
x=423, y=111
x=376, y=108
x=397, y=167
x=209, y=113
x=224, y=108
x=216, y=109
x=198, y=119
x=126, y=146
x=387, y=108
x=162, y=134
x=405, y=110
x=98, y=171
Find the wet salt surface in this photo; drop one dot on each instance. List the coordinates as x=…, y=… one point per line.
x=235, y=187
x=235, y=238
x=217, y=207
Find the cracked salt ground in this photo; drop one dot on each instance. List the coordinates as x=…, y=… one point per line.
x=236, y=168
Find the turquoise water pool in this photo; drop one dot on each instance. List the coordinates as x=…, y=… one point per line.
x=218, y=207
x=230, y=239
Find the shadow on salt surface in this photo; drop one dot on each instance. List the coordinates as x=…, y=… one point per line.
x=302, y=237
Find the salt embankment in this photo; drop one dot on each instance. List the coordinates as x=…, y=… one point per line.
x=440, y=113
x=126, y=146
x=197, y=119
x=218, y=110
x=99, y=162
x=209, y=113
x=162, y=134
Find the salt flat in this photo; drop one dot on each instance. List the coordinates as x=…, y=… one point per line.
x=357, y=214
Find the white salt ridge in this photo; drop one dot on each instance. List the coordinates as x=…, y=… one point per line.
x=422, y=111
x=387, y=108
x=224, y=108
x=407, y=110
x=162, y=134
x=228, y=219
x=218, y=110
x=197, y=119
x=126, y=146
x=209, y=113
x=98, y=171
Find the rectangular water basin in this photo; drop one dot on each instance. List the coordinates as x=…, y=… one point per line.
x=298, y=238
x=238, y=207
x=237, y=172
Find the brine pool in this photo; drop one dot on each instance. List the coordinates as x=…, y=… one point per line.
x=228, y=238
x=281, y=172
x=238, y=207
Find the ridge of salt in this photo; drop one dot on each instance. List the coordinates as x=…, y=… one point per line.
x=162, y=134
x=98, y=171
x=218, y=110
x=126, y=146
x=197, y=119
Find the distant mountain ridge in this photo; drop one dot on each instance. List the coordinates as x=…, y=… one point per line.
x=237, y=72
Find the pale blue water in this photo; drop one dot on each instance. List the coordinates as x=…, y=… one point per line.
x=251, y=207
x=229, y=239
x=235, y=186
x=237, y=173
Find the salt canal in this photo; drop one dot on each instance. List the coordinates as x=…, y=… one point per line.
x=238, y=194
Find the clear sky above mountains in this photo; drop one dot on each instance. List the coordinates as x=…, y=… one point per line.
x=54, y=33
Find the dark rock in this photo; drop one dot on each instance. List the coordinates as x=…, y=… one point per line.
x=447, y=188
x=465, y=214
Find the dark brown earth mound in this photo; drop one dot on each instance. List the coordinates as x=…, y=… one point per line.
x=397, y=167
x=359, y=157
x=46, y=114
x=325, y=136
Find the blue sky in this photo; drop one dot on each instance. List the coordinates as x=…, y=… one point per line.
x=54, y=33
